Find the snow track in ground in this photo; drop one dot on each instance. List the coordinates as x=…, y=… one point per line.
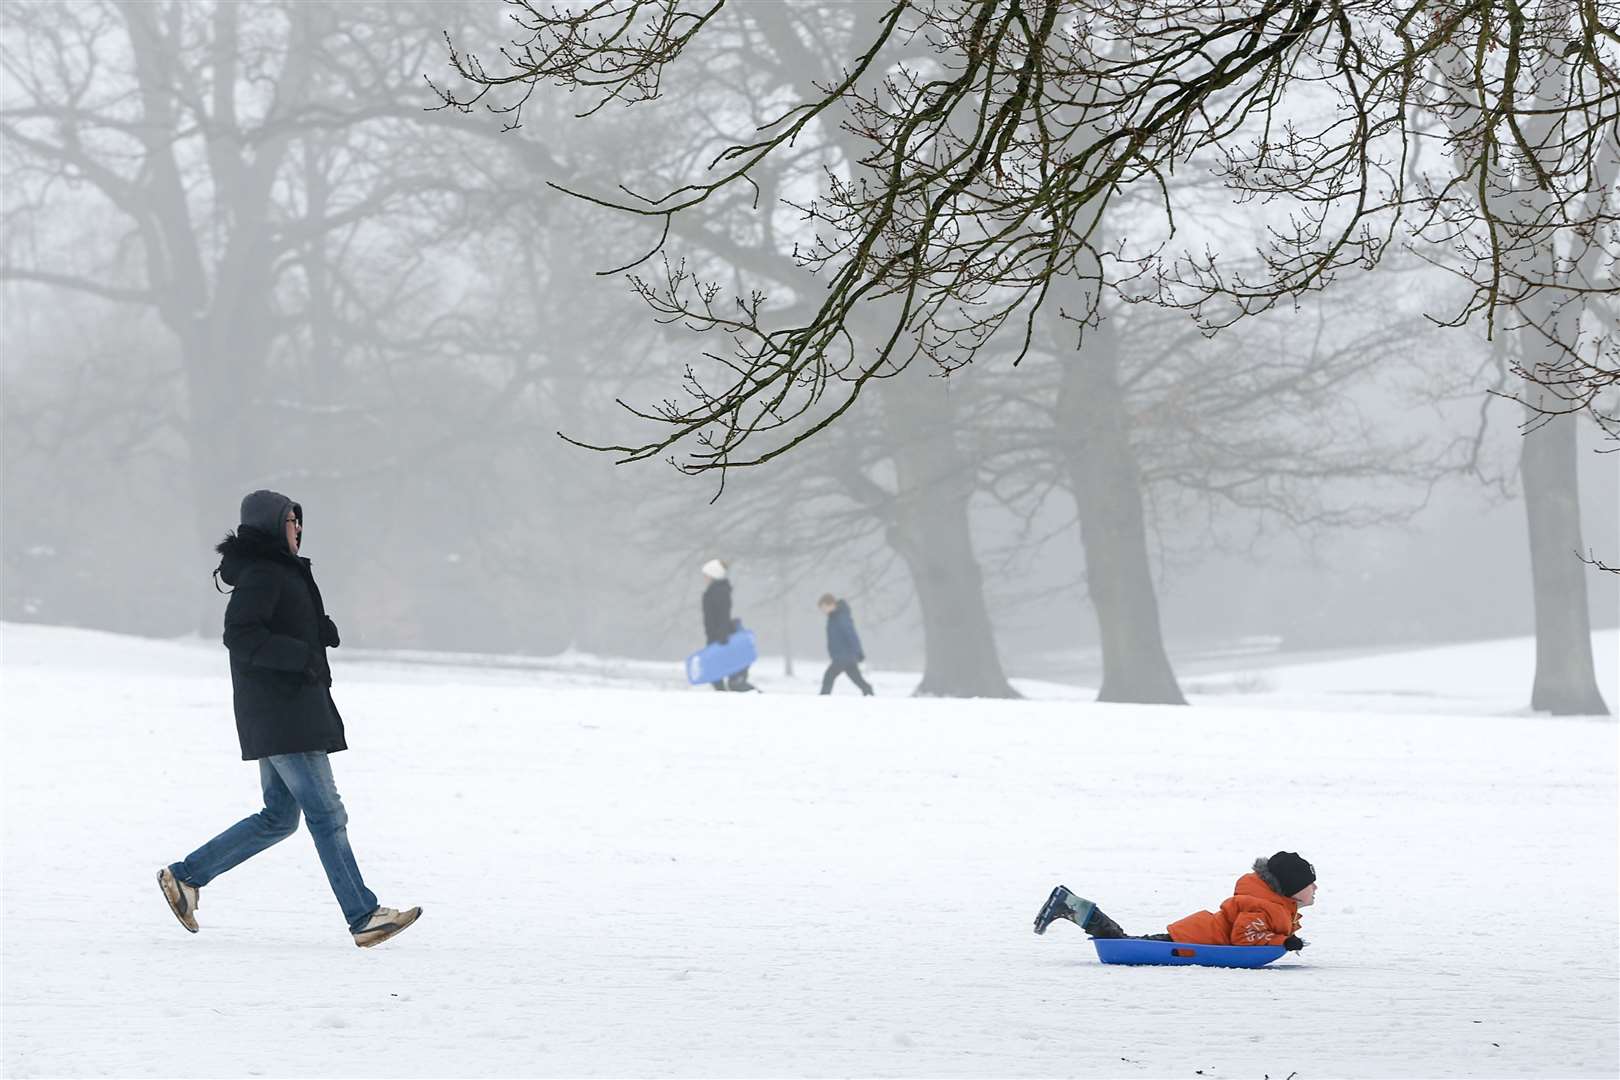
x=622, y=882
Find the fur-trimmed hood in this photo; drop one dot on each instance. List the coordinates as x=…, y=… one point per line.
x=1262, y=870
x=260, y=534
x=247, y=545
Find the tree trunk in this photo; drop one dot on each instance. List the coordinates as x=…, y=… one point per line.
x=1565, y=683
x=219, y=310
x=930, y=530
x=227, y=432
x=1108, y=494
x=929, y=527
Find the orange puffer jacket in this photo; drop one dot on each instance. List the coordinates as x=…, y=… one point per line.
x=1255, y=915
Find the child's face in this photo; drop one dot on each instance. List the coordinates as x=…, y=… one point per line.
x=1307, y=895
x=826, y=609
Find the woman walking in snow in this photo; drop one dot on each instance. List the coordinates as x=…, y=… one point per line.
x=277, y=631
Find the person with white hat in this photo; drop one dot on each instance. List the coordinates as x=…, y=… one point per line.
x=717, y=621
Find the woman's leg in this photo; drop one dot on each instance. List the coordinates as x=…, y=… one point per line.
x=309, y=778
x=277, y=821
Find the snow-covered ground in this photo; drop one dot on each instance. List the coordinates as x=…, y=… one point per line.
x=625, y=877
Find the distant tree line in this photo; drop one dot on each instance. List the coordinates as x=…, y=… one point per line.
x=322, y=282
x=1001, y=167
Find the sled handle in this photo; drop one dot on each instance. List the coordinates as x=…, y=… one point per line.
x=1181, y=951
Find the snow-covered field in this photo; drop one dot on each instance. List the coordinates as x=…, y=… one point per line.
x=625, y=877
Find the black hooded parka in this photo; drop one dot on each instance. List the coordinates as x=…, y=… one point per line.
x=717, y=621
x=277, y=631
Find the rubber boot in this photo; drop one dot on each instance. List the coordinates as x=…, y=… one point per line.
x=1063, y=904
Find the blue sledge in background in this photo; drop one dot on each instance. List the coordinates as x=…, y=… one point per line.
x=722, y=659
x=1138, y=951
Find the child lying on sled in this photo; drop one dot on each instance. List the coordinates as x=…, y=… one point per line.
x=1263, y=909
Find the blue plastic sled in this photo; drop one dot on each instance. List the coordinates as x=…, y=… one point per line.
x=722, y=659
x=1137, y=951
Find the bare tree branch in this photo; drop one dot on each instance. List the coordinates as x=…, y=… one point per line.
x=991, y=159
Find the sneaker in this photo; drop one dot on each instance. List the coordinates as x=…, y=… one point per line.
x=182, y=898
x=384, y=923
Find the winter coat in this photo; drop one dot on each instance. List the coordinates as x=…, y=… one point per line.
x=277, y=631
x=717, y=624
x=1256, y=914
x=843, y=643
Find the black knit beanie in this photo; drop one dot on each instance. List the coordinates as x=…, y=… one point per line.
x=1291, y=872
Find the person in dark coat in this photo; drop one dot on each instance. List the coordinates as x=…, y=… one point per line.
x=277, y=631
x=843, y=646
x=718, y=623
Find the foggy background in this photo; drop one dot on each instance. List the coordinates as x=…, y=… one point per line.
x=241, y=250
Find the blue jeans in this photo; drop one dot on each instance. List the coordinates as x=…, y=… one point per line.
x=291, y=782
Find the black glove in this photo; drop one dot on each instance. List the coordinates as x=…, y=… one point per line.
x=329, y=634
x=1294, y=943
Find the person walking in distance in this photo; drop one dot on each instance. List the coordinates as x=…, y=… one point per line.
x=277, y=631
x=718, y=623
x=843, y=646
